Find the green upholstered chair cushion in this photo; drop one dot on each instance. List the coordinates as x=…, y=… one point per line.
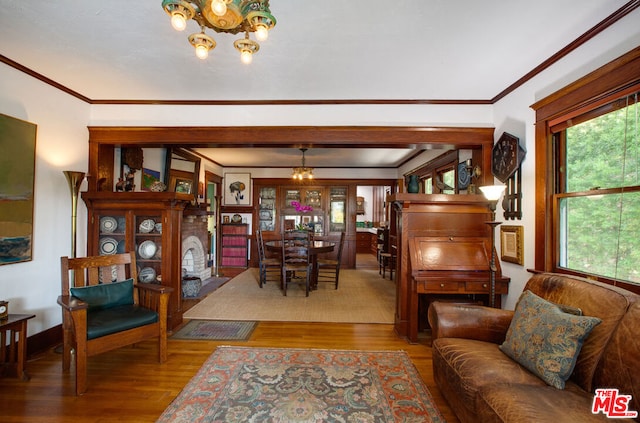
x=117, y=319
x=105, y=295
x=546, y=340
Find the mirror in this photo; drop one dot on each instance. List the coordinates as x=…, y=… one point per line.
x=182, y=171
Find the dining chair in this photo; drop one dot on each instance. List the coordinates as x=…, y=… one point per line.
x=269, y=266
x=329, y=268
x=296, y=260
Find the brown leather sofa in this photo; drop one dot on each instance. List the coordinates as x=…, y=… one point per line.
x=482, y=384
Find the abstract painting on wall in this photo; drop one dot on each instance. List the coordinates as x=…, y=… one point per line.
x=17, y=176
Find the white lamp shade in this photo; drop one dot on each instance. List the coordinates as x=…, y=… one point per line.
x=492, y=192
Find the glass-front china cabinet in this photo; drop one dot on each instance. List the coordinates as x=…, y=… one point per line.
x=146, y=223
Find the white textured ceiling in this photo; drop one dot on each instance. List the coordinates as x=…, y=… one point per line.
x=329, y=49
x=319, y=50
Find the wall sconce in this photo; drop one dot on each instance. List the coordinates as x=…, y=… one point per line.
x=493, y=194
x=74, y=179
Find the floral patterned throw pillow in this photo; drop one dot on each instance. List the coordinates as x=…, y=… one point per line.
x=546, y=340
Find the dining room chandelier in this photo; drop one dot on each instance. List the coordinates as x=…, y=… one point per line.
x=229, y=16
x=302, y=172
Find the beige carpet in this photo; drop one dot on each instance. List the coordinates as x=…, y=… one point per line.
x=362, y=297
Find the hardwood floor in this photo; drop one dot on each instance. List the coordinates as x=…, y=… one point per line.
x=128, y=385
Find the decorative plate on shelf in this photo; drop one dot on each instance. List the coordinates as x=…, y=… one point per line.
x=147, y=249
x=147, y=226
x=108, y=224
x=236, y=218
x=121, y=247
x=104, y=277
x=108, y=246
x=122, y=223
x=146, y=275
x=265, y=214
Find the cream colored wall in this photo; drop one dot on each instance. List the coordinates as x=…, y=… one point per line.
x=61, y=144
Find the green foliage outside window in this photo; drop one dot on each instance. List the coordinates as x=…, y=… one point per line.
x=600, y=220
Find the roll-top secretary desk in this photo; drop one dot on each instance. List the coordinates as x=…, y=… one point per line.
x=443, y=248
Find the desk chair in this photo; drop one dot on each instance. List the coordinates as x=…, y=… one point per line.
x=387, y=260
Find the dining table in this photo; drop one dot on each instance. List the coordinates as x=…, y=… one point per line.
x=316, y=247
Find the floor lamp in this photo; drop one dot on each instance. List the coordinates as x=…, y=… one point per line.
x=74, y=179
x=493, y=194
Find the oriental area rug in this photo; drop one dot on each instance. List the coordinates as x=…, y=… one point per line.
x=216, y=330
x=241, y=384
x=363, y=296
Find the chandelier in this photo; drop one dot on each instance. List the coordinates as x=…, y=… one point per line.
x=231, y=16
x=302, y=172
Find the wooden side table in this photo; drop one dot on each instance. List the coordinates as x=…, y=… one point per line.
x=14, y=356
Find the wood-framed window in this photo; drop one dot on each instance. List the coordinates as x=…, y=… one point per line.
x=588, y=176
x=439, y=175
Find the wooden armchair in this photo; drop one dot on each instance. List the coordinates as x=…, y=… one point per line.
x=100, y=314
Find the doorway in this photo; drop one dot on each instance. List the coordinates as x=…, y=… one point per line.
x=213, y=198
x=371, y=214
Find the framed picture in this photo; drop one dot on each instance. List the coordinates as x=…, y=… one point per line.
x=511, y=244
x=17, y=178
x=183, y=185
x=180, y=181
x=237, y=189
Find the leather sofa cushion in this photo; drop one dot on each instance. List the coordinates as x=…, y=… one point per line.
x=621, y=362
x=464, y=366
x=118, y=319
x=529, y=403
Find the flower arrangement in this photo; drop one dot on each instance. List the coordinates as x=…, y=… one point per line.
x=301, y=208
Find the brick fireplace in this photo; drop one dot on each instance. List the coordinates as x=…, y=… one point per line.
x=195, y=243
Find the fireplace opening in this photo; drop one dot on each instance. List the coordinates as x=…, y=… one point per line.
x=194, y=259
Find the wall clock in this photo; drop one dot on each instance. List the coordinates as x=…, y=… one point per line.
x=506, y=156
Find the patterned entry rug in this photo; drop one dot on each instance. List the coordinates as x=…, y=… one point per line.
x=216, y=330
x=240, y=384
